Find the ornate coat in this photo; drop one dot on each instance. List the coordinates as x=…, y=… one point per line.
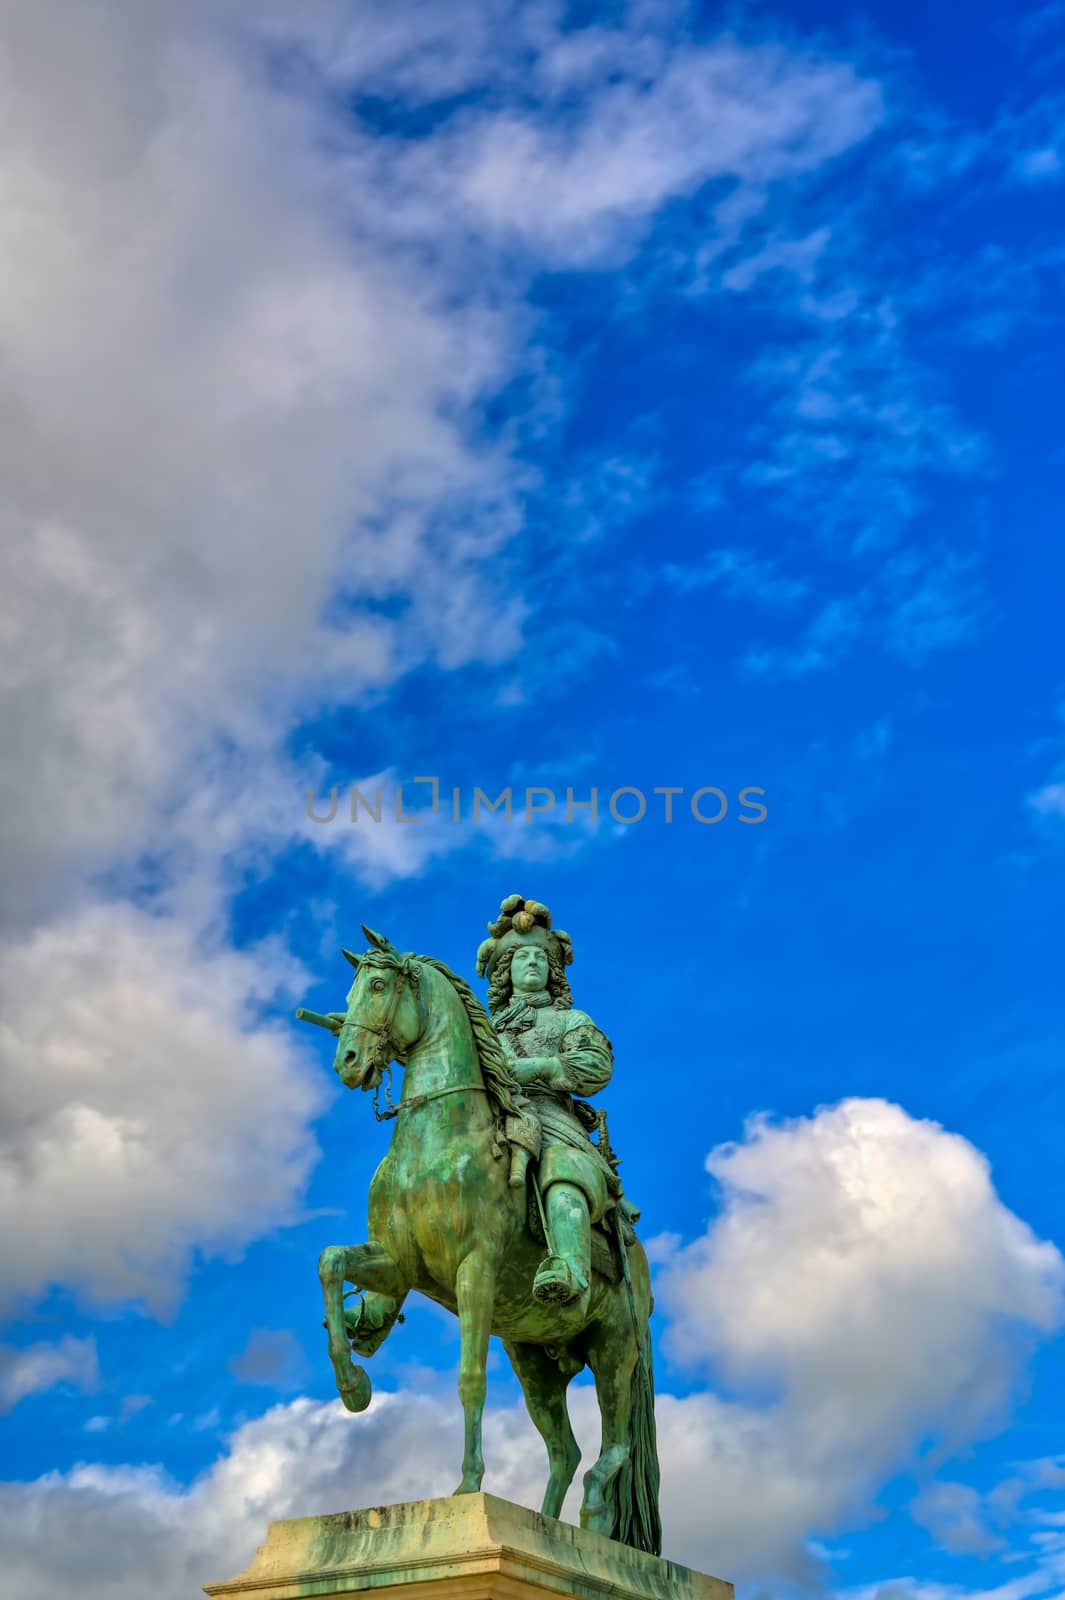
x=577, y=1060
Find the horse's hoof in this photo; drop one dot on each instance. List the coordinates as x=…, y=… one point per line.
x=597, y=1520
x=355, y=1391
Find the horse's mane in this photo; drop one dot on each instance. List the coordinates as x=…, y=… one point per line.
x=499, y=1081
x=495, y=1068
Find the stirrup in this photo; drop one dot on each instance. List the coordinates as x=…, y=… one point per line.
x=558, y=1280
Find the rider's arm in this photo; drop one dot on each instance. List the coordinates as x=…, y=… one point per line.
x=587, y=1058
x=538, y=1072
x=584, y=1066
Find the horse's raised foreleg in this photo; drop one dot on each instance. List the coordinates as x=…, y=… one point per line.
x=362, y=1265
x=544, y=1387
x=474, y=1294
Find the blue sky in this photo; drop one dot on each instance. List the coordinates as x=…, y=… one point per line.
x=543, y=398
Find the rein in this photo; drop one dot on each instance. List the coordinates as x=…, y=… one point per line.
x=422, y=1099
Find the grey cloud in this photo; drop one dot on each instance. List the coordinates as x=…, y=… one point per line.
x=273, y=1357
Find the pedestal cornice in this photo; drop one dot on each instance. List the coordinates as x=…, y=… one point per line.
x=466, y=1547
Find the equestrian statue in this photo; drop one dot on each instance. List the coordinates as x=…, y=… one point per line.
x=495, y=1201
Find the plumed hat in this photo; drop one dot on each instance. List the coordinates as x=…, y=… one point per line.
x=522, y=921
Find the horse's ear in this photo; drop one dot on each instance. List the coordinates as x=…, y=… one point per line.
x=349, y=956
x=378, y=940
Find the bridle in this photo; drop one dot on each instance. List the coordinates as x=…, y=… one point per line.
x=387, y=1052
x=405, y=971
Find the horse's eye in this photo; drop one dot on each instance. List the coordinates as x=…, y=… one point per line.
x=377, y=985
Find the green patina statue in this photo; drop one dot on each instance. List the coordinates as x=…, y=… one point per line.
x=554, y=1052
x=494, y=1201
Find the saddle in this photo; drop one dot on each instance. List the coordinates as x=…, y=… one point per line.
x=604, y=1238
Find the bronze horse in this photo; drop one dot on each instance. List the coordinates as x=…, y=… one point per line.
x=443, y=1220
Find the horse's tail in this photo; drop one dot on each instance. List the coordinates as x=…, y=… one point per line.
x=636, y=1516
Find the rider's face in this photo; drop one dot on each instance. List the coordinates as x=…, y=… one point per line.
x=528, y=969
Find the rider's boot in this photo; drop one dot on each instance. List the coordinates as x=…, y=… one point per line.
x=563, y=1276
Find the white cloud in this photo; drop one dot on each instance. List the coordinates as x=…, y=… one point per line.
x=211, y=382
x=245, y=343
x=226, y=409
x=912, y=1588
x=120, y=1530
x=863, y=1290
x=748, y=114
x=594, y=128
x=42, y=1365
x=734, y=1501
x=135, y=1526
x=147, y=1112
x=857, y=1290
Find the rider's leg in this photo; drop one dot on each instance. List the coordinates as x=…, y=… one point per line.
x=564, y=1275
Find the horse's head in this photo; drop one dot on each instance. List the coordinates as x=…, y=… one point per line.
x=383, y=1017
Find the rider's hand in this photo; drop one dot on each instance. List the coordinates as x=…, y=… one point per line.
x=538, y=1071
x=542, y=1072
x=554, y=1074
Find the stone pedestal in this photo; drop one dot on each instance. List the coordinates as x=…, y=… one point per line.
x=467, y=1547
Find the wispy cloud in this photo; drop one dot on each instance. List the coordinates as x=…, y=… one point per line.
x=932, y=604
x=1049, y=801
x=823, y=643
x=1020, y=1521
x=40, y=1366
x=740, y=574
x=856, y=426
x=1046, y=802
x=912, y=606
